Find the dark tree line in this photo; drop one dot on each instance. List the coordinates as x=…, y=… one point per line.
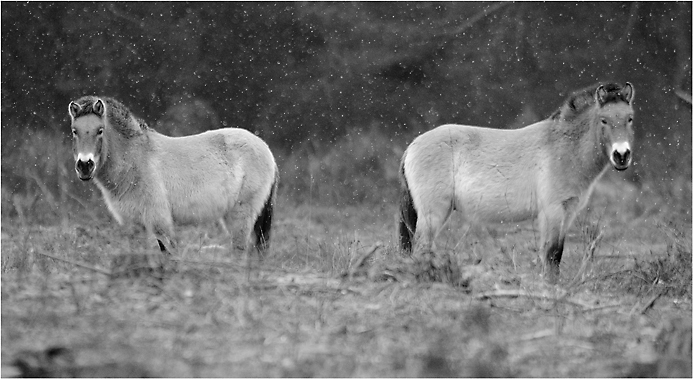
x=299, y=71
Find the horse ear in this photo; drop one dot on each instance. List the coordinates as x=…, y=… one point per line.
x=600, y=94
x=74, y=108
x=98, y=107
x=628, y=92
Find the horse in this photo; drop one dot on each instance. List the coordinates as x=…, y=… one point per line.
x=227, y=175
x=546, y=170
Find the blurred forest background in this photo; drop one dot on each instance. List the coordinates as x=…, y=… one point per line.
x=337, y=90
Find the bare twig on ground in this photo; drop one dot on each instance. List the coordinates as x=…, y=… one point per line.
x=522, y=293
x=226, y=265
x=78, y=264
x=537, y=335
x=603, y=307
x=541, y=296
x=648, y=304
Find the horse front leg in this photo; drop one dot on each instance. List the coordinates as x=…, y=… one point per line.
x=140, y=260
x=552, y=240
x=553, y=251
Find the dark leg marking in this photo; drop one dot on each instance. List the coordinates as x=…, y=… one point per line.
x=408, y=216
x=554, y=253
x=263, y=224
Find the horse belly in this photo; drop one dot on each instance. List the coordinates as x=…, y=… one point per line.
x=497, y=210
x=494, y=199
x=197, y=211
x=208, y=201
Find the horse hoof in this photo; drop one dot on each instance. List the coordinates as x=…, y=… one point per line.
x=551, y=275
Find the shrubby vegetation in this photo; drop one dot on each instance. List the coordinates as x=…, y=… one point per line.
x=327, y=84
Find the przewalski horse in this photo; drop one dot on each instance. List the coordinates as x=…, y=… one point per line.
x=226, y=174
x=545, y=170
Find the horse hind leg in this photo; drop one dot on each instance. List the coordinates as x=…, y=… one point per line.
x=263, y=223
x=240, y=220
x=407, y=229
x=430, y=221
x=240, y=232
x=407, y=218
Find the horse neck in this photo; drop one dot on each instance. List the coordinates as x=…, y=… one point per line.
x=592, y=152
x=121, y=168
x=584, y=142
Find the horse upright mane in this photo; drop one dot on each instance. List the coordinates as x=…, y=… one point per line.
x=583, y=99
x=117, y=114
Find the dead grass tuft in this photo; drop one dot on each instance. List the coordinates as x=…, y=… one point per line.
x=669, y=273
x=382, y=264
x=441, y=267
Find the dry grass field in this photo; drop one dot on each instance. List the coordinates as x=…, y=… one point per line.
x=335, y=298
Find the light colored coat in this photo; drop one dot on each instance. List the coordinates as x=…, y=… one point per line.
x=545, y=170
x=158, y=181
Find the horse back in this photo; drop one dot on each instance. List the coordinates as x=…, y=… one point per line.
x=488, y=174
x=216, y=149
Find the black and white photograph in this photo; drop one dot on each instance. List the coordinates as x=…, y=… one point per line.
x=346, y=189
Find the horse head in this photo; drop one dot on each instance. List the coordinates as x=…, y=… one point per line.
x=88, y=124
x=614, y=117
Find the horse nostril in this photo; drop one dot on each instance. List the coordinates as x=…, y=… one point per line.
x=622, y=158
x=85, y=167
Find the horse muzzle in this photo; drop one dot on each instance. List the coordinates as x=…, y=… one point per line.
x=85, y=169
x=621, y=155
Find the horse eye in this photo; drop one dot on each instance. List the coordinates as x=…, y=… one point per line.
x=74, y=132
x=630, y=119
x=99, y=132
x=604, y=121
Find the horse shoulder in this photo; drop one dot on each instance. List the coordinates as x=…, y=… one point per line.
x=561, y=183
x=137, y=202
x=569, y=171
x=126, y=185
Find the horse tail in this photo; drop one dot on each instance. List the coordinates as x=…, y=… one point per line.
x=263, y=224
x=407, y=220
